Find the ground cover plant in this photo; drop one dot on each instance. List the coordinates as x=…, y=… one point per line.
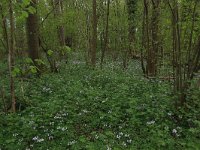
x=82, y=108
x=99, y=74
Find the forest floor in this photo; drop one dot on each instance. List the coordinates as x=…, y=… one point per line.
x=82, y=108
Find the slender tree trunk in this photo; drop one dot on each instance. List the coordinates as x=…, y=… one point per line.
x=5, y=30
x=105, y=46
x=58, y=4
x=147, y=39
x=179, y=86
x=11, y=56
x=143, y=41
x=88, y=35
x=94, y=33
x=3, y=100
x=20, y=37
x=131, y=7
x=189, y=59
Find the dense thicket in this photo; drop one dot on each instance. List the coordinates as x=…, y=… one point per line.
x=51, y=52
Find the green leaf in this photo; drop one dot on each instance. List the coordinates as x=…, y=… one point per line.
x=15, y=71
x=50, y=52
x=40, y=62
x=82, y=139
x=33, y=69
x=29, y=61
x=31, y=10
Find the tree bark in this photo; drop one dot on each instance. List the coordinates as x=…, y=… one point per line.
x=105, y=46
x=11, y=55
x=153, y=51
x=58, y=4
x=131, y=6
x=94, y=33
x=33, y=34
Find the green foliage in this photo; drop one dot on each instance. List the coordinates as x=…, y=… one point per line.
x=82, y=108
x=65, y=50
x=15, y=71
x=50, y=52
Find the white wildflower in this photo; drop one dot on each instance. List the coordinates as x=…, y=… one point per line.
x=150, y=122
x=120, y=127
x=121, y=133
x=35, y=138
x=118, y=136
x=129, y=141
x=50, y=137
x=15, y=134
x=96, y=136
x=174, y=131
x=51, y=123
x=40, y=140
x=72, y=142
x=85, y=111
x=109, y=148
x=169, y=113
x=127, y=135
x=124, y=144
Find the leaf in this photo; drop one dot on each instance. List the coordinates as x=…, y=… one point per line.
x=29, y=61
x=82, y=139
x=24, y=15
x=10, y=140
x=40, y=62
x=50, y=52
x=15, y=71
x=33, y=69
x=25, y=2
x=31, y=10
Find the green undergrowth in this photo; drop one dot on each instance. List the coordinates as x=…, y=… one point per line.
x=82, y=108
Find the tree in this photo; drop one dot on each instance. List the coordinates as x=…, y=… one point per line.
x=33, y=33
x=153, y=54
x=94, y=33
x=106, y=33
x=58, y=6
x=132, y=8
x=181, y=83
x=11, y=49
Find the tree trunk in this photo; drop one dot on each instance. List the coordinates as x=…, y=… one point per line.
x=33, y=34
x=11, y=56
x=153, y=51
x=94, y=33
x=5, y=41
x=131, y=6
x=146, y=37
x=58, y=4
x=105, y=46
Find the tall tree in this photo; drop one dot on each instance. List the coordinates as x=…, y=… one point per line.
x=94, y=33
x=105, y=46
x=33, y=33
x=182, y=84
x=153, y=51
x=58, y=6
x=11, y=55
x=145, y=36
x=5, y=40
x=132, y=7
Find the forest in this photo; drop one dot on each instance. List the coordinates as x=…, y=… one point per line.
x=99, y=74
